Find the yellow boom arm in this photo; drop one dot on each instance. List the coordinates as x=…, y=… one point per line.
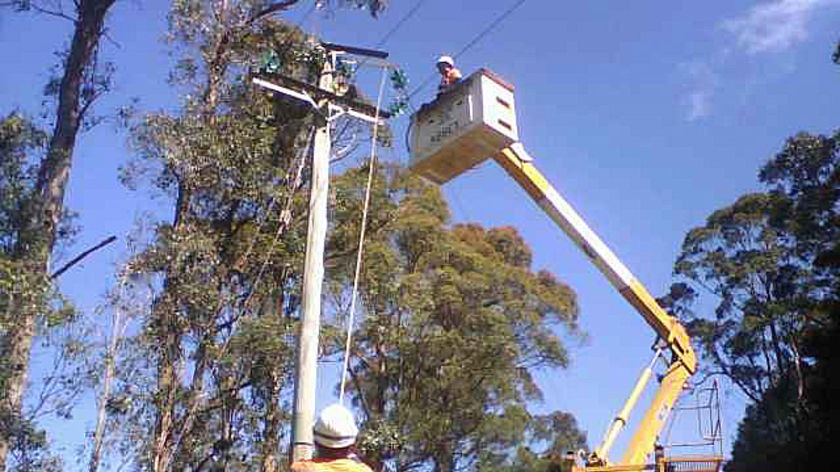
x=516, y=161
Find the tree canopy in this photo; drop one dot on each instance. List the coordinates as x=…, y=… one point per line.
x=455, y=322
x=770, y=261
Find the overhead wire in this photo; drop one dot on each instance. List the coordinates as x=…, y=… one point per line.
x=388, y=35
x=461, y=52
x=399, y=24
x=492, y=25
x=472, y=42
x=372, y=161
x=288, y=36
x=393, y=30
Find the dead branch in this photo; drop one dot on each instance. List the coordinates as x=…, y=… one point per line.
x=81, y=256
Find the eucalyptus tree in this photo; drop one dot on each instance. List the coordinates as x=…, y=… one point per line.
x=456, y=321
x=770, y=261
x=228, y=264
x=80, y=81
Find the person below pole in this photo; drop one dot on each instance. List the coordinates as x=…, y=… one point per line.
x=335, y=440
x=449, y=74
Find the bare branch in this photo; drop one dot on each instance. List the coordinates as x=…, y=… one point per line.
x=57, y=14
x=707, y=375
x=111, y=40
x=279, y=6
x=81, y=256
x=362, y=400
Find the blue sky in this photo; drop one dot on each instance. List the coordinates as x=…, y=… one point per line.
x=646, y=116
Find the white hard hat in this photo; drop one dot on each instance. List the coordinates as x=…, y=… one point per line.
x=336, y=427
x=446, y=60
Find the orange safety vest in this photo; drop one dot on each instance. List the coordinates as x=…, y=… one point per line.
x=330, y=465
x=452, y=76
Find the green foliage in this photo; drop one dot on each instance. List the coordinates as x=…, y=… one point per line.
x=456, y=315
x=229, y=263
x=550, y=438
x=455, y=323
x=775, y=435
x=227, y=268
x=22, y=144
x=835, y=56
x=747, y=263
x=771, y=260
x=560, y=431
x=24, y=289
x=30, y=449
x=33, y=218
x=804, y=175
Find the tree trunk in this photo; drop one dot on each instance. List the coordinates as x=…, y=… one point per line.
x=270, y=447
x=166, y=391
x=15, y=357
x=182, y=447
x=169, y=336
x=37, y=237
x=110, y=356
x=444, y=462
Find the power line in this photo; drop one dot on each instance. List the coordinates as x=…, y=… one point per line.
x=484, y=33
x=393, y=30
x=472, y=42
x=287, y=37
x=399, y=24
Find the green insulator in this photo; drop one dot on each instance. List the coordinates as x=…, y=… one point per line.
x=398, y=107
x=399, y=79
x=344, y=68
x=270, y=62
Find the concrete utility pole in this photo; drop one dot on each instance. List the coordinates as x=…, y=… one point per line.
x=327, y=106
x=313, y=277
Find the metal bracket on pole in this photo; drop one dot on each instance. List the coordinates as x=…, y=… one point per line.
x=356, y=51
x=334, y=111
x=310, y=93
x=303, y=96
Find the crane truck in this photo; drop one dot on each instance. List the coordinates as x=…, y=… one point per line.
x=476, y=120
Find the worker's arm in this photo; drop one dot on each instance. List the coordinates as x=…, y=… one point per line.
x=516, y=161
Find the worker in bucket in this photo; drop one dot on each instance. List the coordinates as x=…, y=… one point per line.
x=449, y=74
x=335, y=443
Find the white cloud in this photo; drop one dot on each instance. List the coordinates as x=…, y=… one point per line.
x=774, y=26
x=769, y=26
x=703, y=81
x=700, y=104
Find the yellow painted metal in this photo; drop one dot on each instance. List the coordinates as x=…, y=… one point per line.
x=620, y=421
x=519, y=165
x=526, y=174
x=660, y=407
x=616, y=468
x=666, y=326
x=671, y=464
